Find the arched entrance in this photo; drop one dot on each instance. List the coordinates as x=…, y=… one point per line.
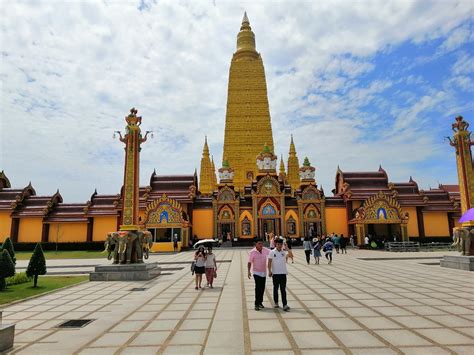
x=380, y=215
x=165, y=218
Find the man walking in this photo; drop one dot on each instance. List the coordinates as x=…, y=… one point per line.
x=257, y=264
x=277, y=270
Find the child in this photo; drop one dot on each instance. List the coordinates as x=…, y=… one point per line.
x=327, y=248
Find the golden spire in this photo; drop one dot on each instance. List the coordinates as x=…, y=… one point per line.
x=293, y=167
x=248, y=124
x=206, y=182
x=214, y=177
x=282, y=166
x=246, y=40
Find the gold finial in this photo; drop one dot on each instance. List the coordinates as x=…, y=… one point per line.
x=292, y=147
x=282, y=165
x=246, y=38
x=205, y=150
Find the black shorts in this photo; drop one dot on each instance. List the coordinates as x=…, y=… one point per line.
x=199, y=270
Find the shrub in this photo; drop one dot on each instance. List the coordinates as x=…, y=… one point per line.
x=37, y=264
x=72, y=246
x=19, y=278
x=7, y=268
x=8, y=246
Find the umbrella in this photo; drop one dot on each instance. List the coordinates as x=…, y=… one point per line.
x=468, y=216
x=205, y=243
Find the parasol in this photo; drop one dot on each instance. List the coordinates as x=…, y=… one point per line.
x=205, y=243
x=468, y=216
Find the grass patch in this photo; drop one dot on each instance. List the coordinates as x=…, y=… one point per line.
x=45, y=284
x=49, y=255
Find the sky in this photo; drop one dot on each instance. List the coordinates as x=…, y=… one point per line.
x=358, y=83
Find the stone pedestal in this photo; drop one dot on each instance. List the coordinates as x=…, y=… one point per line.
x=460, y=262
x=125, y=272
x=7, y=335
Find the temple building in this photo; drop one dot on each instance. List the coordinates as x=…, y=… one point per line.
x=249, y=198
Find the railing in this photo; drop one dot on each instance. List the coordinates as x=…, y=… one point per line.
x=402, y=246
x=437, y=246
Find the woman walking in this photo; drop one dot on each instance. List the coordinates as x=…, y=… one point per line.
x=317, y=250
x=211, y=267
x=200, y=260
x=327, y=248
x=307, y=249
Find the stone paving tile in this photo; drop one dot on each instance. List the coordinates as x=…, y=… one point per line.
x=275, y=341
x=445, y=336
x=463, y=350
x=150, y=338
x=129, y=326
x=99, y=351
x=140, y=350
x=425, y=351
x=402, y=337
x=313, y=340
x=295, y=325
x=378, y=323
x=183, y=349
x=188, y=337
x=358, y=338
x=112, y=339
x=373, y=351
x=340, y=324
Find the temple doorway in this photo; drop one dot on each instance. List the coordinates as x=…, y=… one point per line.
x=269, y=225
x=385, y=231
x=226, y=231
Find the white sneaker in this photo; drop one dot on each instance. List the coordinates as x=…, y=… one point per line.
x=286, y=308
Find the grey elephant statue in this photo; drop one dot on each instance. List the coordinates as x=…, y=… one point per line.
x=462, y=239
x=147, y=243
x=112, y=246
x=126, y=242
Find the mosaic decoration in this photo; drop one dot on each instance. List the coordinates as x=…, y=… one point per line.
x=380, y=208
x=268, y=186
x=164, y=212
x=310, y=193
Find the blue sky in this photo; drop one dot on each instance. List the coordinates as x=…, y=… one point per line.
x=358, y=84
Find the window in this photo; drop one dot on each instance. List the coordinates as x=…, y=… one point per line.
x=164, y=235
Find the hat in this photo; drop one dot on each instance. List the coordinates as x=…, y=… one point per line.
x=278, y=240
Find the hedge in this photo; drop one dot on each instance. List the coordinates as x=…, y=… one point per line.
x=89, y=246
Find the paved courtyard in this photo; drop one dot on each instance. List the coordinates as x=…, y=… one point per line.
x=356, y=306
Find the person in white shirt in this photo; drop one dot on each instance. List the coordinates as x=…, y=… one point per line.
x=277, y=271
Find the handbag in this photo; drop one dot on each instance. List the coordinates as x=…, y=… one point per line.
x=215, y=274
x=193, y=266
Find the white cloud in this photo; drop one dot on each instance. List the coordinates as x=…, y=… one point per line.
x=70, y=72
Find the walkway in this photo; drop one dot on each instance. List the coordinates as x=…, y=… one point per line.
x=353, y=306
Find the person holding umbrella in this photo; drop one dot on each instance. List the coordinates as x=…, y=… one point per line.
x=199, y=269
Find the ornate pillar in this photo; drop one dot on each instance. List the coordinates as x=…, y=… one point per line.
x=282, y=217
x=130, y=196
x=462, y=143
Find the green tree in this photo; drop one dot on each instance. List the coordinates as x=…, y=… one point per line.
x=8, y=245
x=7, y=268
x=37, y=264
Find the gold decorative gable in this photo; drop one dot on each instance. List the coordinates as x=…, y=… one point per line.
x=164, y=213
x=226, y=194
x=311, y=193
x=380, y=209
x=268, y=186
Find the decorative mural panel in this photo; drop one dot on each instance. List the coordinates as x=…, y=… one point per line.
x=268, y=186
x=226, y=194
x=164, y=213
x=226, y=214
x=268, y=209
x=311, y=193
x=312, y=212
x=380, y=208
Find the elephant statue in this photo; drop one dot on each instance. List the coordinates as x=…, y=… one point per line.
x=462, y=239
x=128, y=247
x=147, y=243
x=126, y=240
x=111, y=246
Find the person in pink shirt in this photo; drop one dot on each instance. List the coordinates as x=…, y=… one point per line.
x=257, y=265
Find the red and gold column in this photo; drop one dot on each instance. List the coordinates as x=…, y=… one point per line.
x=131, y=181
x=462, y=143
